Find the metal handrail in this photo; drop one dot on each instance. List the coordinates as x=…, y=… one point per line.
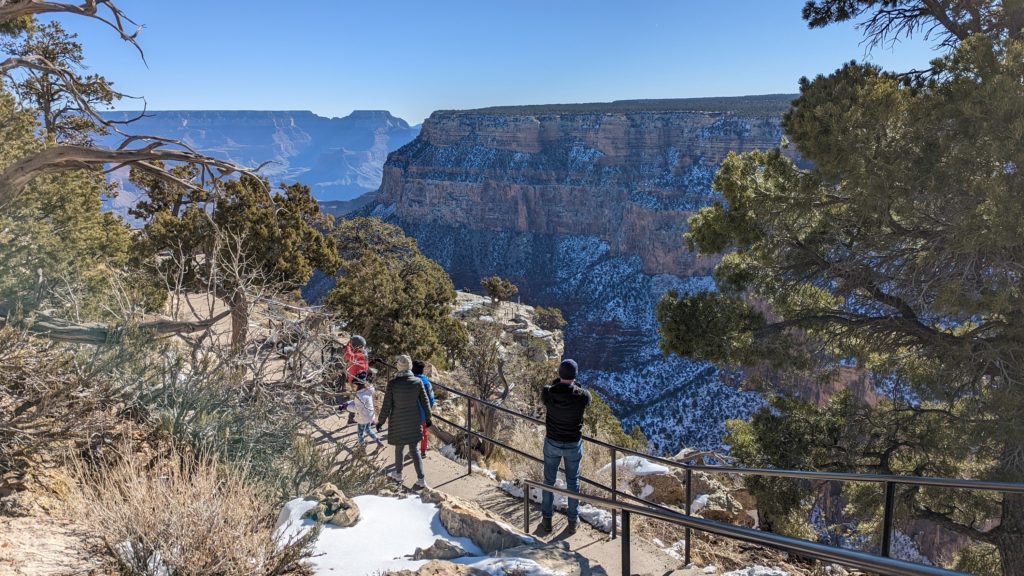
x=849, y=558
x=888, y=481
x=779, y=473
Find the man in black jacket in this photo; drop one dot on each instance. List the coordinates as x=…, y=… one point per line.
x=565, y=403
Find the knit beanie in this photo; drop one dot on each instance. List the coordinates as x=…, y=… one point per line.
x=567, y=369
x=403, y=363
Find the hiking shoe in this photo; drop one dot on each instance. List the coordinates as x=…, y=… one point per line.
x=573, y=525
x=545, y=525
x=420, y=484
x=423, y=455
x=395, y=476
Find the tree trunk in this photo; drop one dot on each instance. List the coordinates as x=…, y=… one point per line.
x=1010, y=540
x=1009, y=536
x=239, y=319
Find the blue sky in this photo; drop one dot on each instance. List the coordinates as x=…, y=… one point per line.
x=413, y=57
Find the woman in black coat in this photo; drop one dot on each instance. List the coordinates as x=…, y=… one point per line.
x=403, y=400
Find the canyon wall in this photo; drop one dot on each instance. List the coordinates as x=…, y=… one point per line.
x=584, y=207
x=338, y=158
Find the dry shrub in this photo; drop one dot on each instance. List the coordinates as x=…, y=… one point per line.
x=184, y=515
x=53, y=400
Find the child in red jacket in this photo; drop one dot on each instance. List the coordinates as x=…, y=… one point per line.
x=355, y=357
x=358, y=368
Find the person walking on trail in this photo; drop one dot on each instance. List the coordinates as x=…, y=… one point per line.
x=565, y=403
x=355, y=357
x=362, y=406
x=403, y=400
x=419, y=371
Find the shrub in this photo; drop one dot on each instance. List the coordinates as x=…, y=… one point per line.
x=499, y=289
x=184, y=515
x=550, y=318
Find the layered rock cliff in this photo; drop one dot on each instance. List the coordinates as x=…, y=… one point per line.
x=584, y=208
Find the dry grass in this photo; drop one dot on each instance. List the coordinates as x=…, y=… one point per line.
x=183, y=515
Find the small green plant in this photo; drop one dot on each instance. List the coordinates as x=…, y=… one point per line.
x=498, y=289
x=550, y=318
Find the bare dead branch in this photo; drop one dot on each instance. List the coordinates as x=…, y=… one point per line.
x=63, y=331
x=105, y=11
x=69, y=157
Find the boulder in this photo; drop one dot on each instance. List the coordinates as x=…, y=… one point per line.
x=333, y=507
x=440, y=550
x=660, y=488
x=722, y=507
x=555, y=560
x=704, y=483
x=441, y=568
x=462, y=518
x=745, y=498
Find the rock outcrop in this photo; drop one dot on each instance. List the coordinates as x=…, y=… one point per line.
x=660, y=488
x=546, y=558
x=584, y=207
x=555, y=560
x=463, y=518
x=333, y=507
x=440, y=550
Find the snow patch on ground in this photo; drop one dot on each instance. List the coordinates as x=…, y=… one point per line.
x=502, y=566
x=699, y=503
x=677, y=550
x=449, y=452
x=758, y=570
x=599, y=518
x=636, y=466
x=646, y=490
x=389, y=530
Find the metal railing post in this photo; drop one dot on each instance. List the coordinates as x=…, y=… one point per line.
x=890, y=504
x=689, y=510
x=615, y=494
x=625, y=543
x=526, y=509
x=469, y=437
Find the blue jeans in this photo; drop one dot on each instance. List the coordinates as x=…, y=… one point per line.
x=554, y=453
x=364, y=429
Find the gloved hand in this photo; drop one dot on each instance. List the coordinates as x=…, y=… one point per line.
x=380, y=426
x=429, y=424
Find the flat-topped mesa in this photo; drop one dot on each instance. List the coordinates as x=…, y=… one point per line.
x=630, y=173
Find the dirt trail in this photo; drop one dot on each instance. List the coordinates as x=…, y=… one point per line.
x=41, y=546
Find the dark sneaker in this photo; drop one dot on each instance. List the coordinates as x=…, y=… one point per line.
x=573, y=525
x=545, y=525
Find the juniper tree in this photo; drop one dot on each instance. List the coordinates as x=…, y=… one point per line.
x=900, y=250
x=59, y=108
x=232, y=243
x=388, y=292
x=498, y=289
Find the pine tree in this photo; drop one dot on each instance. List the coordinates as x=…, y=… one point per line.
x=900, y=251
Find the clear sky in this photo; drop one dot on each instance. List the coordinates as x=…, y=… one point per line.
x=415, y=56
